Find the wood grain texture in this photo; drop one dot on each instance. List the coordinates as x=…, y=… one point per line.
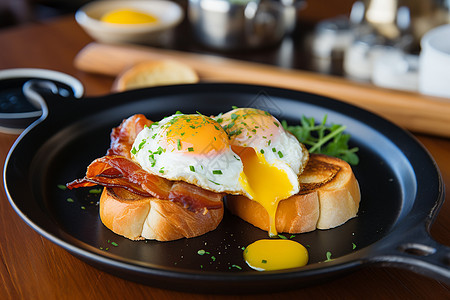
x=31, y=267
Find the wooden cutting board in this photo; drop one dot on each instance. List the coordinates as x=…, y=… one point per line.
x=412, y=111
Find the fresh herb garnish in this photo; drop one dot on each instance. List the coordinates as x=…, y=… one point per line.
x=328, y=256
x=324, y=139
x=62, y=187
x=217, y=172
x=95, y=191
x=202, y=252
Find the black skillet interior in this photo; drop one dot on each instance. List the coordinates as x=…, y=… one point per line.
x=393, y=173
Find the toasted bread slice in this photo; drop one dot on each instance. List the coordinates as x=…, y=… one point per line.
x=329, y=197
x=138, y=218
x=154, y=73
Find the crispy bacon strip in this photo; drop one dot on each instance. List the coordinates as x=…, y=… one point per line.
x=194, y=197
x=119, y=171
x=123, y=136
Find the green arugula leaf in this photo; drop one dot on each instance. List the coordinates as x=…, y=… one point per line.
x=324, y=139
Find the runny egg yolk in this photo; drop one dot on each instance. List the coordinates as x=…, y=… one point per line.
x=275, y=254
x=268, y=185
x=194, y=134
x=128, y=16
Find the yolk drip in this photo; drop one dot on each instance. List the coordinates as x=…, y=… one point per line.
x=128, y=16
x=268, y=184
x=194, y=134
x=275, y=254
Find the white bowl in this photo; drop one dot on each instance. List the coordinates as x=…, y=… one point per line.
x=169, y=14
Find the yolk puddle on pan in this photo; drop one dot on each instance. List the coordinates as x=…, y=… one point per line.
x=268, y=184
x=275, y=254
x=128, y=16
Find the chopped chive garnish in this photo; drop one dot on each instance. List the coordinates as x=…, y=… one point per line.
x=114, y=244
x=192, y=168
x=217, y=172
x=328, y=256
x=276, y=124
x=70, y=200
x=274, y=150
x=191, y=149
x=234, y=107
x=280, y=154
x=214, y=182
x=202, y=252
x=262, y=151
x=235, y=132
x=133, y=151
x=178, y=144
x=152, y=159
x=282, y=237
x=234, y=116
x=237, y=267
x=354, y=246
x=264, y=261
x=95, y=191
x=142, y=144
x=213, y=258
x=62, y=187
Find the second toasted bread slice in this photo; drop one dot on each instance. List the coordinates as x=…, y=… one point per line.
x=329, y=197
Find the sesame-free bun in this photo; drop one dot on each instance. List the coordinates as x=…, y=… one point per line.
x=154, y=73
x=329, y=196
x=137, y=218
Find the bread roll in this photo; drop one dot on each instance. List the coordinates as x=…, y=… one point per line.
x=154, y=73
x=329, y=196
x=138, y=218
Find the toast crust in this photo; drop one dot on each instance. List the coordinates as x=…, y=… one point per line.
x=329, y=196
x=138, y=218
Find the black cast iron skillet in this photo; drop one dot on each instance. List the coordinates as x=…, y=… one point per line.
x=401, y=189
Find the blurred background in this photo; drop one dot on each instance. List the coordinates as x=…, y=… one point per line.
x=15, y=12
x=376, y=41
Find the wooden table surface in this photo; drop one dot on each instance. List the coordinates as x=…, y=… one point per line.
x=33, y=268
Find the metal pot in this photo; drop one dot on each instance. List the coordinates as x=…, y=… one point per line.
x=242, y=24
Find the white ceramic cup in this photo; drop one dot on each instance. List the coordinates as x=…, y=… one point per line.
x=434, y=62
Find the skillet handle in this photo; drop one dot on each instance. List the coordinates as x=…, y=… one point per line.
x=416, y=251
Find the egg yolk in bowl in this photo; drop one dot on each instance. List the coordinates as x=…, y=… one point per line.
x=128, y=16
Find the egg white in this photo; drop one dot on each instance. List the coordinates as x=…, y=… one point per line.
x=218, y=172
